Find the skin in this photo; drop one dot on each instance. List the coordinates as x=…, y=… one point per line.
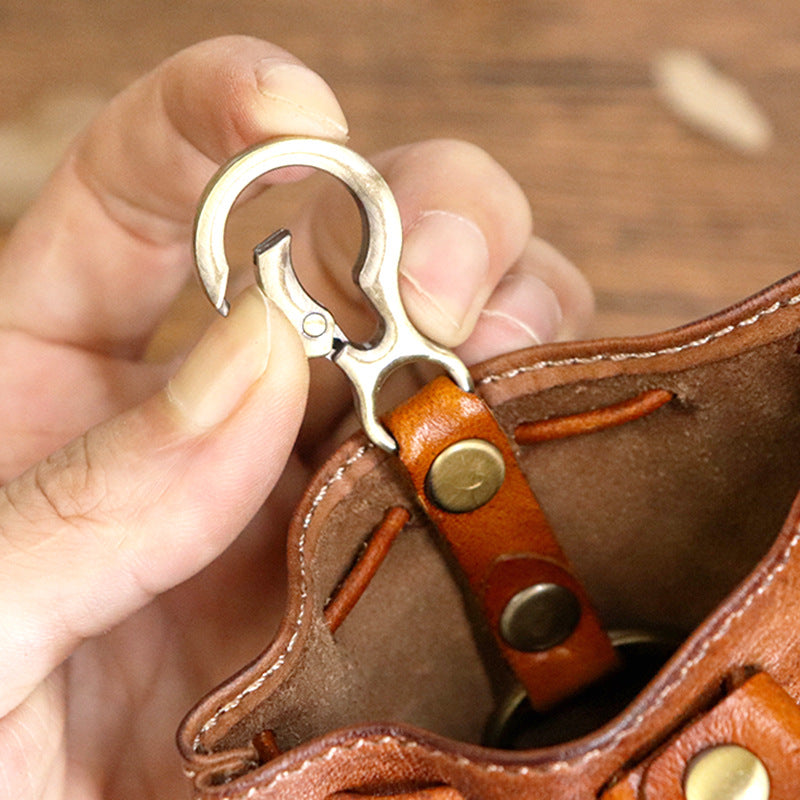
x=144, y=505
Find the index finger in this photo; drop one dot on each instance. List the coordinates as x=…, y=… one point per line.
x=105, y=249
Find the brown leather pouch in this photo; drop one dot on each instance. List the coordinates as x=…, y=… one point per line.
x=666, y=468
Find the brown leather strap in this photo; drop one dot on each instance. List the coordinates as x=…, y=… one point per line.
x=759, y=716
x=504, y=546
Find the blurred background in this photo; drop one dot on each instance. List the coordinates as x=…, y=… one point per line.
x=669, y=223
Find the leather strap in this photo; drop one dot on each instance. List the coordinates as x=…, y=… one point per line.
x=505, y=545
x=759, y=716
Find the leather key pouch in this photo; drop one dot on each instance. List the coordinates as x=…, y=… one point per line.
x=653, y=481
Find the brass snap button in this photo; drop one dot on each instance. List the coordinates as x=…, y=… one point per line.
x=726, y=772
x=465, y=476
x=540, y=617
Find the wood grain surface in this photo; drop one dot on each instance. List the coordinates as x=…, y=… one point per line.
x=667, y=224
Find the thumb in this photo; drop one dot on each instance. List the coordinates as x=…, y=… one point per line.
x=145, y=500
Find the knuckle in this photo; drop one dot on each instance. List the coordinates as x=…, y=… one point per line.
x=67, y=485
x=215, y=79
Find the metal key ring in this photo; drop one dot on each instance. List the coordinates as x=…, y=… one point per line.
x=398, y=342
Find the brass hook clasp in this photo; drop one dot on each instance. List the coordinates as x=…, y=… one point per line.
x=399, y=342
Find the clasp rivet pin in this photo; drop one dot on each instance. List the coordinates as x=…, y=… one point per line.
x=314, y=325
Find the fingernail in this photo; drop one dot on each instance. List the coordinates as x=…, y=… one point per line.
x=299, y=100
x=528, y=306
x=523, y=311
x=226, y=362
x=444, y=267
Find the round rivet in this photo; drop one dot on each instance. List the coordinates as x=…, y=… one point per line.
x=726, y=772
x=314, y=325
x=540, y=617
x=465, y=475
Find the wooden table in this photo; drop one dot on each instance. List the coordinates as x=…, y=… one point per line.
x=668, y=225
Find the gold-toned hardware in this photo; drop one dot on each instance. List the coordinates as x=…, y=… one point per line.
x=726, y=772
x=397, y=341
x=465, y=475
x=540, y=617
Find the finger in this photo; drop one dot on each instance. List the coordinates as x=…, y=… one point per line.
x=542, y=298
x=105, y=248
x=32, y=763
x=465, y=222
x=145, y=500
x=40, y=409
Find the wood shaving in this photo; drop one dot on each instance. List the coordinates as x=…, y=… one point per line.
x=711, y=102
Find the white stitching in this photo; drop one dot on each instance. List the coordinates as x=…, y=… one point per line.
x=565, y=362
x=281, y=660
x=522, y=770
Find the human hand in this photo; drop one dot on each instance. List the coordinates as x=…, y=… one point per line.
x=155, y=469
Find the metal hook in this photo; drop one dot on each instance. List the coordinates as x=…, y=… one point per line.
x=398, y=343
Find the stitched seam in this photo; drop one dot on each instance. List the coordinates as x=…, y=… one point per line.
x=556, y=766
x=281, y=660
x=565, y=362
x=461, y=760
